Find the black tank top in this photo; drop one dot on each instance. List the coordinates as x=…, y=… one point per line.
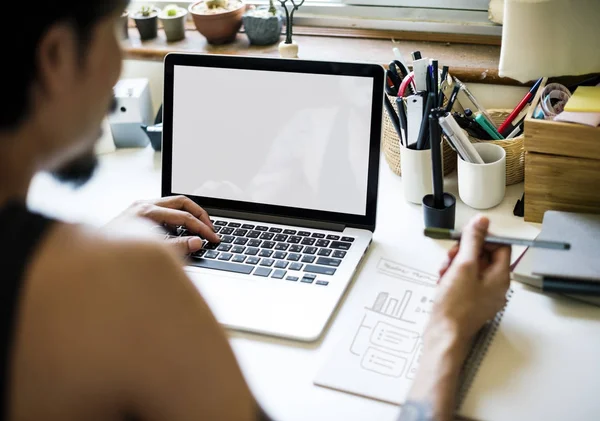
x=20, y=233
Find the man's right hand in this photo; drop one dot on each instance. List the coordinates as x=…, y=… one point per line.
x=472, y=289
x=474, y=281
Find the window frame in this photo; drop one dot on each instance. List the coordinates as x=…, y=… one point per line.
x=433, y=16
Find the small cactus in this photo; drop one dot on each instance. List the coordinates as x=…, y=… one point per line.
x=172, y=10
x=214, y=4
x=146, y=11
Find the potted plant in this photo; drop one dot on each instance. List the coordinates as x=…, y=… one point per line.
x=125, y=24
x=289, y=48
x=173, y=20
x=263, y=24
x=218, y=20
x=146, y=20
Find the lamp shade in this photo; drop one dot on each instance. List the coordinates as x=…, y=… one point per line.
x=550, y=38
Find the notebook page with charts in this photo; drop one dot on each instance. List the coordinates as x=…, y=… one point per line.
x=537, y=360
x=380, y=355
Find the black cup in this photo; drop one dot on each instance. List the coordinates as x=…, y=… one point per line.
x=439, y=218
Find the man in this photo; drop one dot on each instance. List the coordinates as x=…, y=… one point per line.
x=98, y=326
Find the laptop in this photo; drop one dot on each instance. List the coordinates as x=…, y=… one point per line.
x=284, y=156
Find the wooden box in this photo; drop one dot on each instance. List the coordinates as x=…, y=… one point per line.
x=562, y=166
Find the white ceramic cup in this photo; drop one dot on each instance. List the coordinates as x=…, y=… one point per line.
x=415, y=167
x=482, y=186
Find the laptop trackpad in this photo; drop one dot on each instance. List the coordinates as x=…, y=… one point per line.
x=279, y=306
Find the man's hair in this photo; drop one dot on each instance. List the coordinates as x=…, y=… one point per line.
x=23, y=38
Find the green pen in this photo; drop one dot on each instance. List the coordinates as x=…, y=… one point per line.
x=487, y=126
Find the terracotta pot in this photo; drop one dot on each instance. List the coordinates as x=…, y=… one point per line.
x=218, y=28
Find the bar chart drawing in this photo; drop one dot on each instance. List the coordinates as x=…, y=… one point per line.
x=388, y=337
x=391, y=306
x=381, y=352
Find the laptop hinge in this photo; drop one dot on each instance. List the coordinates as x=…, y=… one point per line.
x=328, y=226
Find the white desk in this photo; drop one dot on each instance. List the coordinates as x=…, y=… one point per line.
x=279, y=372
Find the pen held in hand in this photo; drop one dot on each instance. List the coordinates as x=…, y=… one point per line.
x=445, y=234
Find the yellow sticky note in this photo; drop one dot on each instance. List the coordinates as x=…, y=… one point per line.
x=584, y=99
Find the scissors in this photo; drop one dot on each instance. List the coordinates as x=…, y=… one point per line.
x=398, y=68
x=396, y=73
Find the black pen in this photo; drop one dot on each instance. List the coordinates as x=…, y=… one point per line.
x=434, y=69
x=393, y=116
x=429, y=79
x=402, y=118
x=452, y=99
x=424, y=130
x=441, y=93
x=471, y=127
x=436, y=159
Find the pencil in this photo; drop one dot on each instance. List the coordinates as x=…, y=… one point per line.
x=446, y=234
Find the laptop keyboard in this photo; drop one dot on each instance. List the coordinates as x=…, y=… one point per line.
x=302, y=256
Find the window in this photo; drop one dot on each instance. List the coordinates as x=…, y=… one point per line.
x=442, y=16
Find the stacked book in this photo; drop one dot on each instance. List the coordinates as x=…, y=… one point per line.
x=574, y=272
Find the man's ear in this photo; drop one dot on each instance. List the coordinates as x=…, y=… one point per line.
x=57, y=58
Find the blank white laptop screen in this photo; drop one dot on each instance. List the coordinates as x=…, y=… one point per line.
x=288, y=139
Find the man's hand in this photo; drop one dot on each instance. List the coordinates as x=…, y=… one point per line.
x=472, y=289
x=178, y=211
x=474, y=281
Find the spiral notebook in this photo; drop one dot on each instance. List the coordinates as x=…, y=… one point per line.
x=380, y=357
x=521, y=365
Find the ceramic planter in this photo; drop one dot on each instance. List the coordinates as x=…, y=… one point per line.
x=218, y=28
x=263, y=28
x=288, y=50
x=147, y=25
x=174, y=26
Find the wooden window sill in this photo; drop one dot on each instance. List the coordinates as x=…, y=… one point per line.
x=473, y=63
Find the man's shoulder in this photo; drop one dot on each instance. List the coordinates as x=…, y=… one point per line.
x=86, y=253
x=88, y=301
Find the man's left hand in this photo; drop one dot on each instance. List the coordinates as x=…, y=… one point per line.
x=178, y=211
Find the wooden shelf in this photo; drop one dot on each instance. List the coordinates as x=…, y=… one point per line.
x=468, y=62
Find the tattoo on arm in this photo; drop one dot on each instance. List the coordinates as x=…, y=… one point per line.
x=416, y=411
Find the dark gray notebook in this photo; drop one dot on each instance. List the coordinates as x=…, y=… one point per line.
x=582, y=261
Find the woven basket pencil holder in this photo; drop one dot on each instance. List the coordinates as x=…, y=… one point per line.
x=391, y=146
x=515, y=149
